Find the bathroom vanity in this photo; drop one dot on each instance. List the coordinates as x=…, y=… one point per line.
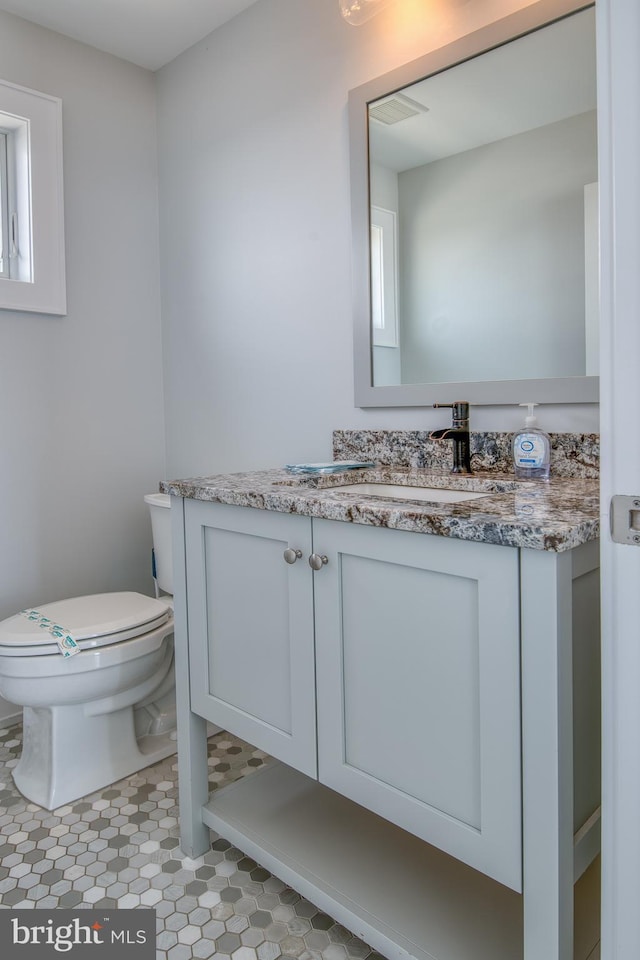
x=425, y=675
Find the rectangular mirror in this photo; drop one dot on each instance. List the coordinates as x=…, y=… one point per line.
x=474, y=208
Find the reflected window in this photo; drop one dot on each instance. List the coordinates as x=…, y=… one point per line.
x=4, y=208
x=384, y=277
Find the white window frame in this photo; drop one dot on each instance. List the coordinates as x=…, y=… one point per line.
x=32, y=122
x=4, y=208
x=384, y=277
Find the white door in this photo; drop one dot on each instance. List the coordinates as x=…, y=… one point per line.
x=619, y=135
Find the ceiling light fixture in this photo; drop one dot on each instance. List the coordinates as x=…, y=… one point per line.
x=359, y=11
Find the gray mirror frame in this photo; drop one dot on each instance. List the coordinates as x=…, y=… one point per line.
x=553, y=390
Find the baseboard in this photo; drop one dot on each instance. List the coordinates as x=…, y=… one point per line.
x=11, y=718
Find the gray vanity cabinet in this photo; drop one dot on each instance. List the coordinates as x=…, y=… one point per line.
x=418, y=687
x=252, y=668
x=415, y=676
x=415, y=688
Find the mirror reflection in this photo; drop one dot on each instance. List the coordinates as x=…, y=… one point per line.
x=483, y=193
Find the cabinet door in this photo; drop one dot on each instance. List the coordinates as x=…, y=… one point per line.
x=251, y=627
x=418, y=687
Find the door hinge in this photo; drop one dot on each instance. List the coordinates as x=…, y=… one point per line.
x=624, y=519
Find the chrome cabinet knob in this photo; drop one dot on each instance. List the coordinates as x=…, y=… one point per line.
x=292, y=555
x=316, y=562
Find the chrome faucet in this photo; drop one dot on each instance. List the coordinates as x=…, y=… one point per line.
x=459, y=433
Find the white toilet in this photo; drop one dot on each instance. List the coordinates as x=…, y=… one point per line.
x=108, y=710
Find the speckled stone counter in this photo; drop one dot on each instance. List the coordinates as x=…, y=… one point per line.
x=572, y=454
x=555, y=516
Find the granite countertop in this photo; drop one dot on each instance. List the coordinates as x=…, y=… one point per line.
x=555, y=516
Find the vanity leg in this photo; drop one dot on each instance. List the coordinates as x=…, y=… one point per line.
x=547, y=749
x=193, y=783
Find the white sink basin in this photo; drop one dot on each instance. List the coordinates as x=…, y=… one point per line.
x=398, y=491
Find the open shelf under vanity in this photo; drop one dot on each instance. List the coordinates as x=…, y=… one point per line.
x=402, y=896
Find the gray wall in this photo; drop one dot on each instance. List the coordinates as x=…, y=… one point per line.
x=255, y=232
x=81, y=417
x=492, y=254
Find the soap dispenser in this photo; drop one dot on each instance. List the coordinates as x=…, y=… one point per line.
x=531, y=449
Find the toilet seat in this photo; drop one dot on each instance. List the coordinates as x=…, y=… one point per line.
x=93, y=621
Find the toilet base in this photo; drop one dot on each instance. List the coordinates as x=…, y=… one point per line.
x=67, y=754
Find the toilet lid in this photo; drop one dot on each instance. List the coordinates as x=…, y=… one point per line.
x=92, y=621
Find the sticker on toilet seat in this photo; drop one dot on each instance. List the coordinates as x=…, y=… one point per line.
x=66, y=644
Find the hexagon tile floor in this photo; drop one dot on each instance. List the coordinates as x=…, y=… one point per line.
x=119, y=848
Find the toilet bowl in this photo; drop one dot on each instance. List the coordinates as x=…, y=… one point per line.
x=104, y=712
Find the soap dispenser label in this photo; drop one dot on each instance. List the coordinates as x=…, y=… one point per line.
x=530, y=450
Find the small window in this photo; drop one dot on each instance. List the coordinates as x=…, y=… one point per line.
x=384, y=277
x=4, y=208
x=32, y=274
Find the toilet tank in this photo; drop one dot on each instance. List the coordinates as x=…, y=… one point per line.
x=160, y=509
